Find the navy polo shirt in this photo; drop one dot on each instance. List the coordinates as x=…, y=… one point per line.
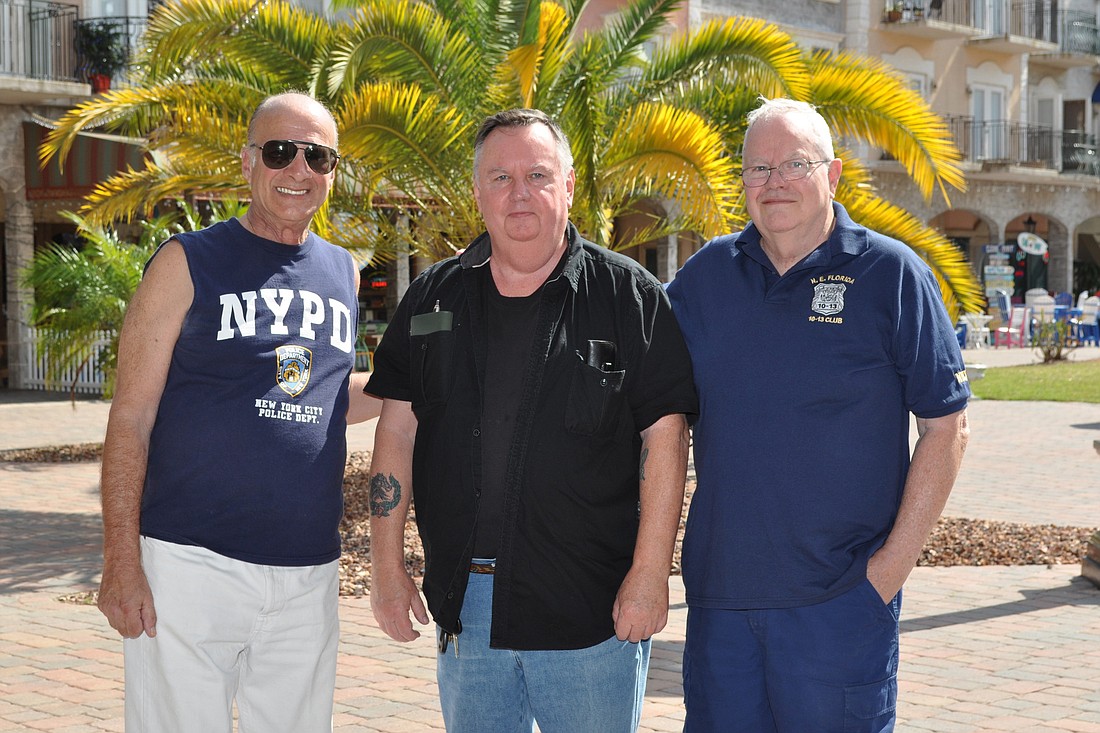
x=806, y=383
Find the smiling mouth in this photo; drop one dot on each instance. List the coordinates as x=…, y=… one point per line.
x=291, y=191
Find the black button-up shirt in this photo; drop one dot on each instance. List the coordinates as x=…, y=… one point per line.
x=570, y=514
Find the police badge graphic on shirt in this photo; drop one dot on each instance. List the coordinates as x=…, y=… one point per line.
x=828, y=298
x=293, y=368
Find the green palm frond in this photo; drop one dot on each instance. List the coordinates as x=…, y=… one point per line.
x=409, y=138
x=746, y=53
x=191, y=37
x=584, y=118
x=409, y=42
x=410, y=80
x=625, y=36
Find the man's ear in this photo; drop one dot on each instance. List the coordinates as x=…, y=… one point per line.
x=248, y=159
x=836, y=166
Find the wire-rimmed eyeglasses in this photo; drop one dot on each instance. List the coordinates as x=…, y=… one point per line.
x=789, y=170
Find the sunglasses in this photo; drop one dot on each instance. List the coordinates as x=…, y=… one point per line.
x=278, y=154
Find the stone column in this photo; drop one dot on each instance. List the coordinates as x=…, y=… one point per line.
x=18, y=243
x=668, y=257
x=398, y=270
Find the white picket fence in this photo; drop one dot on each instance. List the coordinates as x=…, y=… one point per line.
x=88, y=379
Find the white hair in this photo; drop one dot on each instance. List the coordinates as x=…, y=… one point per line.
x=782, y=107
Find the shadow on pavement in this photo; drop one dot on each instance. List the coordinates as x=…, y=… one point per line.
x=1079, y=592
x=41, y=548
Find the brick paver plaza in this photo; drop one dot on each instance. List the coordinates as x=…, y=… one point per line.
x=984, y=649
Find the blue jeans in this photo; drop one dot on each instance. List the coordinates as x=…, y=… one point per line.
x=829, y=667
x=594, y=690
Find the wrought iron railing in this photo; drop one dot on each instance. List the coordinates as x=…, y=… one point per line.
x=37, y=40
x=126, y=32
x=955, y=12
x=1016, y=143
x=1074, y=31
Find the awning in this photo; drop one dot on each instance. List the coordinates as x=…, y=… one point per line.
x=93, y=158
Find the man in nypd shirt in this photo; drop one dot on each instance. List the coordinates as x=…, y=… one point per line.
x=813, y=339
x=225, y=451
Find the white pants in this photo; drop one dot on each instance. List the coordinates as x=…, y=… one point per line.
x=262, y=635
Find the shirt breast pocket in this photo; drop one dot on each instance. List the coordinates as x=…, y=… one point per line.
x=432, y=369
x=595, y=396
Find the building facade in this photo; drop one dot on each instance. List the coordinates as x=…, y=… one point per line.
x=48, y=57
x=1016, y=81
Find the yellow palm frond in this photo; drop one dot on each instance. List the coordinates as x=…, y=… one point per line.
x=663, y=151
x=134, y=194
x=532, y=62
x=865, y=100
x=960, y=290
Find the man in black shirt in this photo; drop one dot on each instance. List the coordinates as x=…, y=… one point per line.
x=535, y=392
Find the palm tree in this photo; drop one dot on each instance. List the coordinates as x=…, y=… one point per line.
x=80, y=295
x=650, y=118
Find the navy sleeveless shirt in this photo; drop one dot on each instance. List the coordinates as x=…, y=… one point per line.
x=247, y=454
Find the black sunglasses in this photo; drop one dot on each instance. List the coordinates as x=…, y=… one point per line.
x=278, y=154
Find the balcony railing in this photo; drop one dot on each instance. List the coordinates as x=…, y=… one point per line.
x=125, y=30
x=1035, y=146
x=37, y=40
x=1078, y=32
x=944, y=11
x=1074, y=31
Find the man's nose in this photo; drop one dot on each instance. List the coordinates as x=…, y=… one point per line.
x=298, y=165
x=520, y=189
x=775, y=180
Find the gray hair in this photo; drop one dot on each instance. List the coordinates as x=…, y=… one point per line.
x=782, y=107
x=523, y=118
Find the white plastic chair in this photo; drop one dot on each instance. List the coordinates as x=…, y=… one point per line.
x=1042, y=308
x=977, y=329
x=1086, y=327
x=1031, y=295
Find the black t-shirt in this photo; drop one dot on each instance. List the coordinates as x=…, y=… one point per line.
x=509, y=325
x=569, y=515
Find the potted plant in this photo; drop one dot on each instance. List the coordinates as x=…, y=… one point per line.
x=893, y=11
x=102, y=51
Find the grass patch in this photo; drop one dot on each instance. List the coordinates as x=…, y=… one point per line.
x=1064, y=381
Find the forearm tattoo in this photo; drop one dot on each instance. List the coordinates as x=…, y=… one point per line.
x=385, y=494
x=641, y=463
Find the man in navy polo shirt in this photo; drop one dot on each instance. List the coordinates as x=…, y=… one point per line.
x=812, y=340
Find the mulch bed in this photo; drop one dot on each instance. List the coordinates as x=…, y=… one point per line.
x=954, y=541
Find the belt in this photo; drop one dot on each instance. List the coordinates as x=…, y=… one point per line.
x=483, y=567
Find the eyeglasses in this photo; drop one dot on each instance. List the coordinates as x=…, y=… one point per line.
x=789, y=170
x=278, y=154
